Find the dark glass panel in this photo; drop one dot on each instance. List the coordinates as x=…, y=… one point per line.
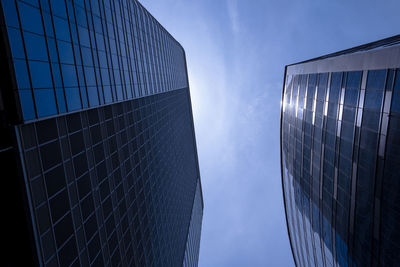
x=55, y=180
x=73, y=98
x=62, y=29
x=45, y=102
x=59, y=205
x=14, y=37
x=35, y=47
x=63, y=230
x=21, y=73
x=10, y=13
x=69, y=75
x=354, y=80
x=40, y=74
x=30, y=18
x=373, y=99
x=65, y=52
x=376, y=80
x=28, y=110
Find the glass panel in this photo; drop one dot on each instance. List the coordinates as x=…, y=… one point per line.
x=28, y=110
x=40, y=74
x=65, y=52
x=21, y=73
x=30, y=18
x=45, y=102
x=376, y=79
x=69, y=75
x=10, y=13
x=62, y=29
x=35, y=47
x=73, y=98
x=17, y=49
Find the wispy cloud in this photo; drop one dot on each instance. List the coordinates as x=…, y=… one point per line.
x=233, y=13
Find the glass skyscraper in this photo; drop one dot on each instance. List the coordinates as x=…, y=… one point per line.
x=97, y=149
x=340, y=157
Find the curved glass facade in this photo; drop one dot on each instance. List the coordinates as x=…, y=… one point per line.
x=340, y=159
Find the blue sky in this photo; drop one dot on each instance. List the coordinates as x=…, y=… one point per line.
x=236, y=52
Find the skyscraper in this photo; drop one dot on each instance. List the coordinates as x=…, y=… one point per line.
x=340, y=156
x=98, y=154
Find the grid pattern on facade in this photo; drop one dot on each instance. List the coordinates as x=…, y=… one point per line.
x=70, y=55
x=193, y=239
x=339, y=161
x=114, y=185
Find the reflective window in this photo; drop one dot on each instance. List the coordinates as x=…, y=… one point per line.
x=69, y=75
x=65, y=52
x=62, y=29
x=40, y=74
x=28, y=110
x=35, y=47
x=30, y=18
x=17, y=48
x=45, y=102
x=73, y=98
x=21, y=73
x=10, y=13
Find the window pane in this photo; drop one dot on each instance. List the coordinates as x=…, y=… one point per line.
x=27, y=104
x=61, y=100
x=58, y=8
x=40, y=74
x=93, y=96
x=73, y=98
x=62, y=29
x=35, y=47
x=69, y=75
x=15, y=39
x=30, y=18
x=373, y=99
x=65, y=52
x=21, y=73
x=376, y=79
x=10, y=13
x=45, y=102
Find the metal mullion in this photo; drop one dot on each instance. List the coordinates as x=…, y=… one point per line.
x=73, y=52
x=290, y=188
x=153, y=53
x=48, y=56
x=299, y=236
x=81, y=58
x=26, y=59
x=303, y=121
x=88, y=13
x=129, y=47
x=314, y=99
x=108, y=53
x=131, y=11
x=119, y=51
x=136, y=50
x=380, y=156
x=156, y=51
x=111, y=58
x=126, y=38
x=100, y=87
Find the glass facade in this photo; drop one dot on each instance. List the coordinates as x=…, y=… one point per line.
x=193, y=239
x=340, y=161
x=103, y=151
x=72, y=55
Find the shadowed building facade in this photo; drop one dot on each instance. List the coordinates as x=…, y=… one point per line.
x=97, y=147
x=340, y=156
